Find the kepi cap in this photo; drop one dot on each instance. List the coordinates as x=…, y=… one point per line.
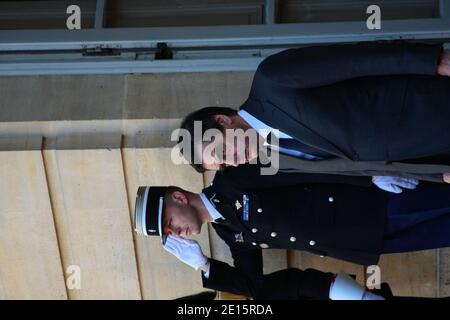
x=148, y=211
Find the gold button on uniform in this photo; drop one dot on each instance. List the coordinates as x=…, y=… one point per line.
x=264, y=245
x=312, y=243
x=254, y=230
x=292, y=239
x=273, y=234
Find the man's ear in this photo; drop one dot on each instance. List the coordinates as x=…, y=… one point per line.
x=179, y=197
x=222, y=120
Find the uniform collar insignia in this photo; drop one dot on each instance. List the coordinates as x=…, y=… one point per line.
x=213, y=200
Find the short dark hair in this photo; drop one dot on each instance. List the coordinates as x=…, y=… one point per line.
x=167, y=194
x=205, y=115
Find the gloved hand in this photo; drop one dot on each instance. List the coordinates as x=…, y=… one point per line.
x=446, y=177
x=443, y=67
x=371, y=296
x=188, y=251
x=345, y=288
x=394, y=184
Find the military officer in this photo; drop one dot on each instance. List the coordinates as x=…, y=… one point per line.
x=150, y=220
x=348, y=221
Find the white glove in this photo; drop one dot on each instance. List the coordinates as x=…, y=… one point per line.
x=345, y=288
x=371, y=296
x=394, y=184
x=188, y=251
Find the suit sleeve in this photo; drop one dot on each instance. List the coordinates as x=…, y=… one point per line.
x=285, y=284
x=430, y=177
x=225, y=278
x=322, y=65
x=248, y=176
x=248, y=261
x=248, y=265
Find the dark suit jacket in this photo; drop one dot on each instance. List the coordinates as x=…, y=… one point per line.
x=376, y=107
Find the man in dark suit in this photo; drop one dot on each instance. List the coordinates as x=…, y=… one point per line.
x=338, y=216
x=374, y=109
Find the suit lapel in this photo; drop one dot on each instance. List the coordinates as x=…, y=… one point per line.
x=277, y=118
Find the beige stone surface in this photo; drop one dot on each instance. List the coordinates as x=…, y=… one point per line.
x=30, y=265
x=175, y=95
x=411, y=274
x=93, y=222
x=108, y=97
x=444, y=272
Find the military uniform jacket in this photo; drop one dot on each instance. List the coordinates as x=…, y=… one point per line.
x=379, y=109
x=344, y=221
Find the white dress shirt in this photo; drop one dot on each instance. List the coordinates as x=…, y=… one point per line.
x=211, y=210
x=264, y=130
x=214, y=216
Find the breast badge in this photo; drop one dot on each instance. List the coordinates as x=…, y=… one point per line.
x=238, y=237
x=245, y=212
